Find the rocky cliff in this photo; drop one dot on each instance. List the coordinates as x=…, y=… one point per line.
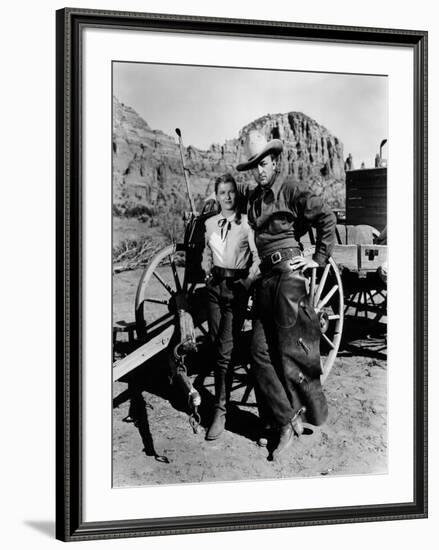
x=148, y=179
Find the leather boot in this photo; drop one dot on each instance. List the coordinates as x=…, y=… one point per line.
x=297, y=422
x=219, y=415
x=217, y=426
x=285, y=440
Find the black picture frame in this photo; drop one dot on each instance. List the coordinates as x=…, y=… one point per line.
x=70, y=525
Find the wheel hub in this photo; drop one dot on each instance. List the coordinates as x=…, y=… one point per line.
x=323, y=321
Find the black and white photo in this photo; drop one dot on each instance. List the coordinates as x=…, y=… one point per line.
x=249, y=274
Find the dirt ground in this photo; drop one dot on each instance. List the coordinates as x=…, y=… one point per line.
x=160, y=447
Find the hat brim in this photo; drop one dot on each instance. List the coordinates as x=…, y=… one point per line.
x=274, y=147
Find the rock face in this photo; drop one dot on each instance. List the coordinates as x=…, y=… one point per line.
x=310, y=151
x=148, y=178
x=145, y=162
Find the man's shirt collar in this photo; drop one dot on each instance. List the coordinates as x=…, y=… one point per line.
x=274, y=188
x=276, y=185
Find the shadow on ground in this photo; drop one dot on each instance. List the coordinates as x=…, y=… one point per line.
x=360, y=338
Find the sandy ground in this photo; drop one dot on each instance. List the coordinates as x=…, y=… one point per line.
x=160, y=447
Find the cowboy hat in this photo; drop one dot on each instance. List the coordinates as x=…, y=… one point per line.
x=256, y=148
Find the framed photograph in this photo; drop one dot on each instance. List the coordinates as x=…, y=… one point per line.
x=241, y=274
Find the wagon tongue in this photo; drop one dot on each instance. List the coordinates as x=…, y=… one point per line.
x=185, y=172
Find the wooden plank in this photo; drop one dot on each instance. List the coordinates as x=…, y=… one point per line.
x=142, y=354
x=371, y=256
x=354, y=257
x=346, y=255
x=343, y=255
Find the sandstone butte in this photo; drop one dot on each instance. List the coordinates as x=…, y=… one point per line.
x=148, y=177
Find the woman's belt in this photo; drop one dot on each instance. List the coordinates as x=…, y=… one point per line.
x=277, y=257
x=226, y=273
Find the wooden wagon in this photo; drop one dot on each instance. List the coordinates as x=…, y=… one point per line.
x=170, y=302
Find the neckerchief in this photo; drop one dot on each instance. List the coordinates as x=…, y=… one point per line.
x=225, y=225
x=264, y=194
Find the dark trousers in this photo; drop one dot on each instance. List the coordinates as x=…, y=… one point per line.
x=227, y=303
x=286, y=350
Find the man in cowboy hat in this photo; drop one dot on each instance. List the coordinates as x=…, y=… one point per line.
x=286, y=332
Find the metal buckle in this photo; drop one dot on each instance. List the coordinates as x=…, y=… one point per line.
x=276, y=257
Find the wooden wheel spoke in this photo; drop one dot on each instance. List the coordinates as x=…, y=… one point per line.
x=321, y=284
x=360, y=298
x=372, y=298
x=163, y=283
x=153, y=306
x=313, y=283
x=203, y=330
x=161, y=320
x=326, y=299
x=156, y=301
x=349, y=302
x=339, y=305
x=174, y=272
x=328, y=341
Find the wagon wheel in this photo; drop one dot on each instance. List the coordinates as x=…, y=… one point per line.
x=369, y=303
x=326, y=297
x=161, y=286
